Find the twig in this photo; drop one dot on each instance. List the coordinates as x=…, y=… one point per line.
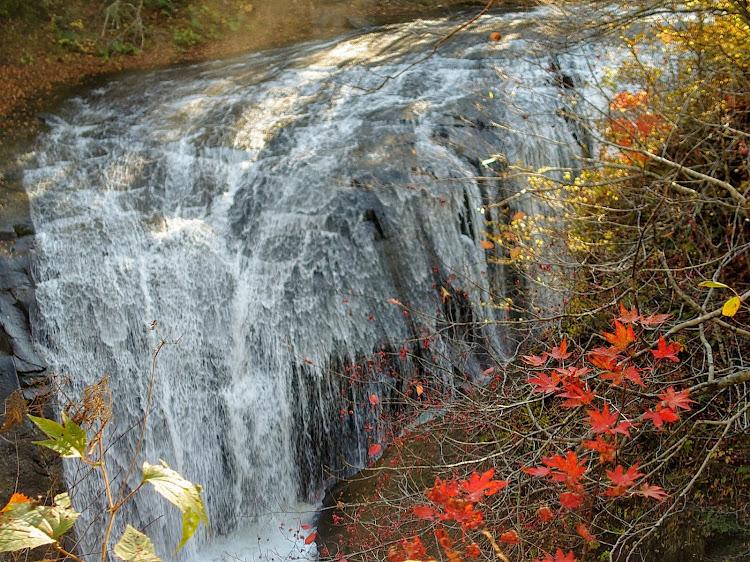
x=720, y=384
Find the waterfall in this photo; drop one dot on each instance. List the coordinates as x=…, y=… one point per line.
x=262, y=210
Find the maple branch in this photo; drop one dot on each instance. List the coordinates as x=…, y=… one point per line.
x=701, y=319
x=736, y=195
x=720, y=384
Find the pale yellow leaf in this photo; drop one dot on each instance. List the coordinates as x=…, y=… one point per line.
x=731, y=306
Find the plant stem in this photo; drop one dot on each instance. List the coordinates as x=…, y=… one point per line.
x=67, y=554
x=112, y=508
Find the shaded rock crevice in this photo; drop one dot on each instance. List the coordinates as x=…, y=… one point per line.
x=24, y=467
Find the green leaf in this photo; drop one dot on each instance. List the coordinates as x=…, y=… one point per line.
x=68, y=439
x=713, y=285
x=16, y=534
x=59, y=518
x=134, y=546
x=27, y=525
x=731, y=307
x=180, y=492
x=190, y=522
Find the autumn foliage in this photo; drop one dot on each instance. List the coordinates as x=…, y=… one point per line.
x=623, y=417
x=613, y=393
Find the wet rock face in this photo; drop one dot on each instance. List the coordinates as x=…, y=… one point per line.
x=24, y=467
x=16, y=287
x=8, y=378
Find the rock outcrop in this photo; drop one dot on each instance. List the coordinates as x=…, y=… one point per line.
x=24, y=467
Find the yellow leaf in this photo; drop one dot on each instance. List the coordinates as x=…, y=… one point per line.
x=444, y=293
x=515, y=252
x=420, y=389
x=713, y=285
x=731, y=306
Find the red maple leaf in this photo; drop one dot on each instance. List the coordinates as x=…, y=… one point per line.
x=605, y=357
x=634, y=375
x=614, y=491
x=576, y=395
x=544, y=383
x=545, y=514
x=472, y=551
x=606, y=450
x=660, y=414
x=584, y=532
x=628, y=316
x=655, y=492
x=572, y=373
x=622, y=428
x=395, y=554
x=568, y=467
x=615, y=375
x=654, y=319
x=462, y=512
x=570, y=500
x=414, y=548
x=511, y=537
x=559, y=353
x=560, y=556
x=622, y=337
x=479, y=486
x=424, y=512
x=677, y=400
x=664, y=351
x=443, y=539
x=604, y=422
x=537, y=471
x=622, y=477
x=442, y=491
x=535, y=360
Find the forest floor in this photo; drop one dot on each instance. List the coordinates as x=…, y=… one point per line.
x=45, y=57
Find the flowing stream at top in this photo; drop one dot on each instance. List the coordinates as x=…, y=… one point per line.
x=263, y=210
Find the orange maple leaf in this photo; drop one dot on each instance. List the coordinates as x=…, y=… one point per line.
x=622, y=338
x=15, y=499
x=479, y=486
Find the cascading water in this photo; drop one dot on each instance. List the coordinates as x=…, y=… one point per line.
x=263, y=210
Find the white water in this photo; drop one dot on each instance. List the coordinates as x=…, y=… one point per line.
x=262, y=210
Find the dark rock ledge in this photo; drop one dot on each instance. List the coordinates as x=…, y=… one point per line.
x=24, y=467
